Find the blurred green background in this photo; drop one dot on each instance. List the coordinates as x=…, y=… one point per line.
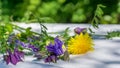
x=60, y=11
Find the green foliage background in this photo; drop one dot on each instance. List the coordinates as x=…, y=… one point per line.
x=61, y=11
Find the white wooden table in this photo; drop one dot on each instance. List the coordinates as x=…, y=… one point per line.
x=106, y=54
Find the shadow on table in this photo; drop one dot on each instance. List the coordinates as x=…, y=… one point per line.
x=28, y=64
x=41, y=65
x=106, y=54
x=99, y=37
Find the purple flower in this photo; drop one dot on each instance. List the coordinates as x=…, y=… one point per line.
x=23, y=44
x=27, y=45
x=33, y=38
x=51, y=58
x=15, y=57
x=6, y=58
x=11, y=38
x=35, y=49
x=78, y=30
x=56, y=48
x=18, y=54
x=18, y=42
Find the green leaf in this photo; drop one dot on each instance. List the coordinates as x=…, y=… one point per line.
x=28, y=31
x=99, y=12
x=100, y=5
x=9, y=27
x=66, y=56
x=96, y=23
x=44, y=33
x=90, y=30
x=97, y=16
x=113, y=34
x=44, y=27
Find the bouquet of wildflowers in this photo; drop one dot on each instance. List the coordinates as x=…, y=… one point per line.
x=13, y=45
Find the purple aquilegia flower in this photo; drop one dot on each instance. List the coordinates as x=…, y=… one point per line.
x=56, y=48
x=18, y=54
x=14, y=58
x=51, y=58
x=78, y=30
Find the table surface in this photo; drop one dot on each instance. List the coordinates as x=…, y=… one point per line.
x=105, y=55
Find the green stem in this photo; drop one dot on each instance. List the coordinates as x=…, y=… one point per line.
x=24, y=29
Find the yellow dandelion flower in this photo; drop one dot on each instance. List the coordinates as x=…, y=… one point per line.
x=80, y=44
